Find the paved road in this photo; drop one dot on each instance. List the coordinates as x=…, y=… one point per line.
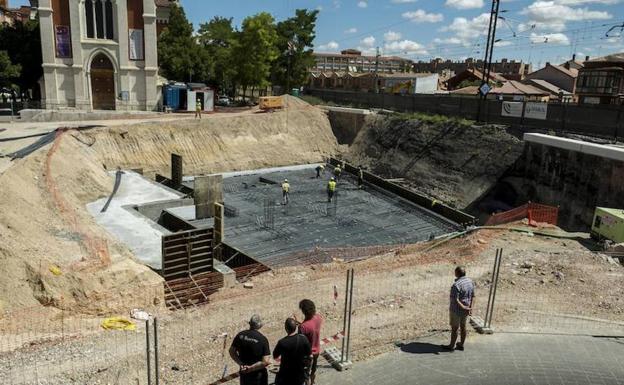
x=493, y=360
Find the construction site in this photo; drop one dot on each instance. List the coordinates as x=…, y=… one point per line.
x=133, y=250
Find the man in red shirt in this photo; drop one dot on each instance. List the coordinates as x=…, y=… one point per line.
x=311, y=328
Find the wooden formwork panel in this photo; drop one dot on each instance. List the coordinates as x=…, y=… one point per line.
x=187, y=253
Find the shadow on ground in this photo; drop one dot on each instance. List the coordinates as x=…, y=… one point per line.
x=422, y=348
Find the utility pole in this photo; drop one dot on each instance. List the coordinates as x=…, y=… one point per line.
x=487, y=60
x=376, y=71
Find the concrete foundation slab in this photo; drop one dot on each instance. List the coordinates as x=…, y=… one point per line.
x=139, y=233
x=274, y=234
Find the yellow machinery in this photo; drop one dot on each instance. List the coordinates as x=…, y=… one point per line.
x=269, y=103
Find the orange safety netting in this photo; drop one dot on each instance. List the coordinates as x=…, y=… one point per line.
x=95, y=247
x=534, y=212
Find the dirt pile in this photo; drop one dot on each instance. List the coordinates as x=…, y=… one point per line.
x=49, y=245
x=297, y=134
x=450, y=160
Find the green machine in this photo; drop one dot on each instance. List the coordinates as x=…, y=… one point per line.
x=609, y=224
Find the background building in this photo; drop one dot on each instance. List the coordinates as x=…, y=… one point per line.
x=100, y=54
x=510, y=69
x=601, y=80
x=21, y=14
x=351, y=60
x=560, y=76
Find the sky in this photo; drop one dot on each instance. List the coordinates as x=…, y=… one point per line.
x=535, y=31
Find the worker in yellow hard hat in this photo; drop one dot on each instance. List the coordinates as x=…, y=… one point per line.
x=337, y=172
x=198, y=108
x=285, y=192
x=319, y=170
x=331, y=188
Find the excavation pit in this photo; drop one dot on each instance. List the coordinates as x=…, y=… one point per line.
x=278, y=234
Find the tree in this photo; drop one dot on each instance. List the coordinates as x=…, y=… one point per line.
x=180, y=56
x=22, y=42
x=295, y=41
x=256, y=51
x=219, y=38
x=8, y=71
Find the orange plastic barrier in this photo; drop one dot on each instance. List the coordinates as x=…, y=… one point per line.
x=534, y=212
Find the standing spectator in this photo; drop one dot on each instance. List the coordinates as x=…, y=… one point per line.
x=250, y=350
x=295, y=353
x=311, y=329
x=461, y=305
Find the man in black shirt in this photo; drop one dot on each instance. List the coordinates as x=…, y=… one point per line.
x=295, y=353
x=250, y=350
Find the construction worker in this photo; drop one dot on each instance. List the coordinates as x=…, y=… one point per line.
x=331, y=188
x=198, y=108
x=285, y=192
x=360, y=177
x=319, y=170
x=337, y=172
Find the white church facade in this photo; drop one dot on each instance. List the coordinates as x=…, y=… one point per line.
x=101, y=54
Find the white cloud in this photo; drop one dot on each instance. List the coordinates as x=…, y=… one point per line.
x=581, y=2
x=331, y=46
x=464, y=4
x=467, y=31
x=319, y=8
x=550, y=38
x=337, y=4
x=503, y=43
x=362, y=4
x=405, y=47
x=368, y=41
x=448, y=40
x=403, y=1
x=553, y=15
x=392, y=36
x=351, y=30
x=421, y=16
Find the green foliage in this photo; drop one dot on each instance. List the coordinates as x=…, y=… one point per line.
x=22, y=43
x=180, y=56
x=8, y=70
x=219, y=38
x=432, y=118
x=256, y=50
x=469, y=83
x=291, y=67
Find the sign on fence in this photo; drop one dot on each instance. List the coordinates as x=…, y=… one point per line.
x=534, y=110
x=512, y=109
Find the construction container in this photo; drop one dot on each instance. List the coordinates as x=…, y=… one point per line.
x=172, y=95
x=609, y=224
x=271, y=102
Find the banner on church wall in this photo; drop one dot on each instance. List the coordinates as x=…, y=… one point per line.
x=135, y=38
x=63, y=41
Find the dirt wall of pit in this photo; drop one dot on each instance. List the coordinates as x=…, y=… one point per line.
x=296, y=135
x=451, y=160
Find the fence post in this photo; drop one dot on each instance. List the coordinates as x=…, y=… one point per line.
x=156, y=363
x=493, y=289
x=147, y=352
x=350, y=311
x=344, y=318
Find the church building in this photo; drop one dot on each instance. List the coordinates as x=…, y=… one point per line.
x=101, y=54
